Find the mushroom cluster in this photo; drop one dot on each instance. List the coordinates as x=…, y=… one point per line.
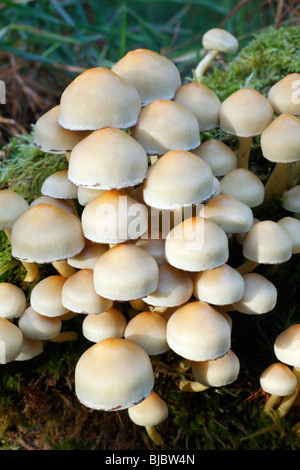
x=139, y=230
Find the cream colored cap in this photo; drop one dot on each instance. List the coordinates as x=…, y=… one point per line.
x=155, y=246
x=164, y=125
x=108, y=324
x=150, y=412
x=198, y=332
x=232, y=215
x=125, y=272
x=12, y=206
x=175, y=287
x=260, y=295
x=243, y=185
x=178, y=179
x=219, y=156
x=85, y=195
x=153, y=75
x=219, y=39
x=280, y=140
x=292, y=225
x=287, y=346
x=245, y=113
x=113, y=374
x=278, y=379
x=12, y=300
x=58, y=186
x=268, y=243
x=99, y=98
x=89, y=255
x=200, y=101
x=54, y=201
x=108, y=159
x=30, y=348
x=220, y=286
x=284, y=95
x=79, y=295
x=49, y=136
x=196, y=244
x=46, y=296
x=149, y=331
x=219, y=372
x=46, y=233
x=11, y=339
x=114, y=217
x=291, y=199
x=36, y=326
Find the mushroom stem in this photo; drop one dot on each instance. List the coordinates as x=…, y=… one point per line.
x=205, y=63
x=191, y=386
x=288, y=401
x=64, y=336
x=247, y=267
x=138, y=305
x=244, y=152
x=278, y=180
x=63, y=268
x=31, y=268
x=295, y=172
x=154, y=435
x=271, y=403
x=184, y=365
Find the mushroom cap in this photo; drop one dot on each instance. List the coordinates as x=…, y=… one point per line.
x=108, y=159
x=164, y=125
x=150, y=412
x=220, y=40
x=108, y=324
x=12, y=300
x=280, y=140
x=200, y=101
x=219, y=156
x=278, y=379
x=175, y=287
x=153, y=75
x=30, y=348
x=217, y=373
x=287, y=346
x=149, y=331
x=11, y=339
x=85, y=195
x=125, y=272
x=291, y=199
x=49, y=136
x=220, y=286
x=99, y=98
x=260, y=295
x=58, y=186
x=46, y=296
x=39, y=327
x=196, y=244
x=54, y=201
x=283, y=95
x=12, y=206
x=79, y=295
x=245, y=113
x=113, y=374
x=198, y=332
x=244, y=185
x=178, y=179
x=89, y=255
x=46, y=233
x=155, y=246
x=268, y=243
x=114, y=217
x=292, y=225
x=232, y=215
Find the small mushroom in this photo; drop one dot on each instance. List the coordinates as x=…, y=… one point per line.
x=38, y=327
x=260, y=295
x=279, y=381
x=12, y=301
x=243, y=185
x=291, y=200
x=30, y=348
x=217, y=373
x=46, y=296
x=282, y=95
x=219, y=156
x=87, y=258
x=108, y=324
x=11, y=339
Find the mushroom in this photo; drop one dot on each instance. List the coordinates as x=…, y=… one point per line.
x=47, y=234
x=282, y=95
x=164, y=125
x=46, y=296
x=152, y=74
x=55, y=202
x=38, y=327
x=219, y=156
x=291, y=200
x=85, y=195
x=108, y=159
x=12, y=301
x=99, y=98
x=260, y=295
x=58, y=186
x=292, y=225
x=11, y=339
x=150, y=413
x=155, y=246
x=280, y=143
x=217, y=373
x=245, y=114
x=200, y=101
x=244, y=185
x=279, y=381
x=30, y=348
x=108, y=324
x=113, y=374
x=215, y=40
x=89, y=255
